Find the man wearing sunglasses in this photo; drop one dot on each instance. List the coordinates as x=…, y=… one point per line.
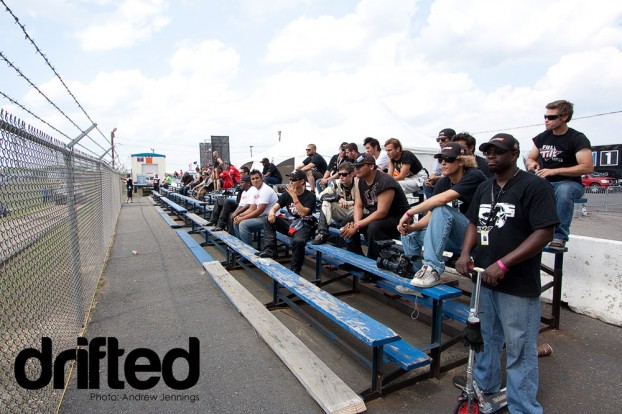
x=445, y=223
x=443, y=138
x=337, y=201
x=333, y=166
x=511, y=218
x=314, y=166
x=561, y=155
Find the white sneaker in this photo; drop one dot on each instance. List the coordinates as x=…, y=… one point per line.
x=426, y=277
x=408, y=291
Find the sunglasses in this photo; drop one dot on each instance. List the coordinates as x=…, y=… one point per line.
x=308, y=149
x=551, y=117
x=442, y=139
x=448, y=160
x=494, y=151
x=344, y=174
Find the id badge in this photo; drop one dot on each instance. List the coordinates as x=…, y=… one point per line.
x=484, y=238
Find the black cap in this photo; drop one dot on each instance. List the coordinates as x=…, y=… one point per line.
x=297, y=175
x=503, y=141
x=451, y=150
x=447, y=133
x=245, y=179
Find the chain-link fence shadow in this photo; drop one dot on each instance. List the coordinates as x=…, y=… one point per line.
x=58, y=211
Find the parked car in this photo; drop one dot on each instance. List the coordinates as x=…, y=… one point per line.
x=596, y=181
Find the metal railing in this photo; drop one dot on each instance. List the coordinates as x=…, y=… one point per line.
x=58, y=211
x=607, y=199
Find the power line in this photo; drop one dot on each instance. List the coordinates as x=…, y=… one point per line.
x=51, y=67
x=540, y=124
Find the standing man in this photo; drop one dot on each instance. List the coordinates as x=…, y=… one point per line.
x=156, y=183
x=512, y=218
x=565, y=155
x=443, y=227
x=337, y=201
x=261, y=200
x=443, y=138
x=378, y=206
x=314, y=166
x=271, y=174
x=405, y=167
x=372, y=146
x=298, y=223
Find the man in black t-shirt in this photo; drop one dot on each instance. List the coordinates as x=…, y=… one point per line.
x=561, y=155
x=405, y=167
x=378, y=205
x=298, y=222
x=314, y=166
x=468, y=141
x=271, y=174
x=443, y=227
x=512, y=218
x=333, y=167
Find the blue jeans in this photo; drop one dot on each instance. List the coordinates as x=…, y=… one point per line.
x=445, y=231
x=566, y=192
x=514, y=320
x=271, y=180
x=244, y=230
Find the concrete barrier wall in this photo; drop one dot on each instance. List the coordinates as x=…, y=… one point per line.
x=592, y=281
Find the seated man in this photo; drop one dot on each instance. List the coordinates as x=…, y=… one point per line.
x=225, y=208
x=405, y=167
x=443, y=227
x=337, y=201
x=372, y=146
x=261, y=199
x=565, y=154
x=378, y=206
x=314, y=166
x=298, y=222
x=271, y=174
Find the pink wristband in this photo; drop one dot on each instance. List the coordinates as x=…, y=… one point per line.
x=502, y=266
x=408, y=213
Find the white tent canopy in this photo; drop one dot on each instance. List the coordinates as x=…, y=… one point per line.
x=376, y=120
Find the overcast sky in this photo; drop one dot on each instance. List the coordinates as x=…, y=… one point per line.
x=169, y=74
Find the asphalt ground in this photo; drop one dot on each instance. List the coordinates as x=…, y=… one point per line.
x=160, y=297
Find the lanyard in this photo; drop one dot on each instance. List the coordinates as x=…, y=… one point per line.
x=494, y=201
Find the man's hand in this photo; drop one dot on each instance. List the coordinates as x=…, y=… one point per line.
x=291, y=190
x=493, y=274
x=464, y=265
x=271, y=216
x=343, y=203
x=546, y=172
x=348, y=231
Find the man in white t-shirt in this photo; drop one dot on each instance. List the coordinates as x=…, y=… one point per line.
x=261, y=199
x=372, y=146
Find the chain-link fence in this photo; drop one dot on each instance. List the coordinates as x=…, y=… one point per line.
x=58, y=211
x=604, y=198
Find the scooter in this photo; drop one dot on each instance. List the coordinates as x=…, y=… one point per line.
x=473, y=400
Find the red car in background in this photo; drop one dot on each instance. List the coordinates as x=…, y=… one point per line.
x=597, y=181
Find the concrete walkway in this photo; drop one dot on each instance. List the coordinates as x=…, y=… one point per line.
x=158, y=299
x=162, y=296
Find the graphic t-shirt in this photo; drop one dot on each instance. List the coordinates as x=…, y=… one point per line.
x=382, y=182
x=557, y=151
x=504, y=219
x=307, y=199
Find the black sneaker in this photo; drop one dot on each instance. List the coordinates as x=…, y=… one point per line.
x=266, y=253
x=218, y=228
x=296, y=270
x=321, y=238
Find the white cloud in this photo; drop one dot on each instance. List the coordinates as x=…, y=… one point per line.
x=132, y=22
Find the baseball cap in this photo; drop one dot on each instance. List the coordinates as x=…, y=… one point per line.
x=503, y=141
x=297, y=175
x=451, y=150
x=245, y=179
x=447, y=133
x=343, y=145
x=364, y=159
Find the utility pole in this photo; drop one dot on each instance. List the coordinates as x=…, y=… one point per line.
x=279, y=136
x=112, y=144
x=251, y=147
